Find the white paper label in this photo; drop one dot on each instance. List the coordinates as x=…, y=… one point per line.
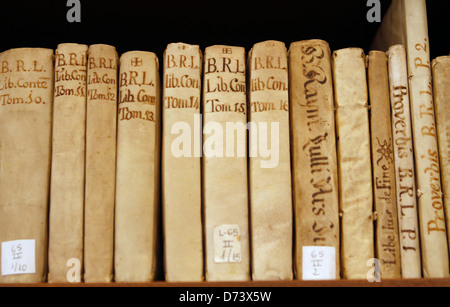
x=227, y=244
x=319, y=263
x=18, y=257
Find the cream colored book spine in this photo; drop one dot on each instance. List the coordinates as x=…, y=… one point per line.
x=67, y=172
x=441, y=86
x=433, y=230
x=406, y=23
x=137, y=172
x=385, y=199
x=225, y=189
x=354, y=159
x=392, y=29
x=26, y=100
x=270, y=167
x=404, y=163
x=101, y=119
x=314, y=161
x=181, y=163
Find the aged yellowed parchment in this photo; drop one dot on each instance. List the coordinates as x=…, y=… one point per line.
x=26, y=100
x=385, y=199
x=101, y=120
x=68, y=157
x=404, y=163
x=137, y=174
x=225, y=189
x=270, y=171
x=315, y=178
x=441, y=87
x=354, y=160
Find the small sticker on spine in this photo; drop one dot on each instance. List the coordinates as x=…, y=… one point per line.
x=319, y=263
x=227, y=244
x=18, y=257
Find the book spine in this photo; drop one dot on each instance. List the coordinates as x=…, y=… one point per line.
x=137, y=172
x=441, y=87
x=67, y=170
x=314, y=159
x=433, y=230
x=404, y=163
x=225, y=189
x=181, y=163
x=26, y=100
x=391, y=30
x=101, y=119
x=385, y=200
x=354, y=160
x=269, y=167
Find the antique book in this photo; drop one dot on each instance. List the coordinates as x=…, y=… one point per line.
x=441, y=87
x=406, y=23
x=26, y=100
x=435, y=254
x=181, y=163
x=101, y=119
x=387, y=245
x=404, y=163
x=354, y=160
x=314, y=161
x=137, y=172
x=392, y=29
x=67, y=170
x=270, y=166
x=224, y=181
x=431, y=212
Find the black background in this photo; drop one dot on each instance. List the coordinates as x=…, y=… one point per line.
x=151, y=25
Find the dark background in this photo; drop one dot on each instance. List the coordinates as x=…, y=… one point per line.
x=151, y=25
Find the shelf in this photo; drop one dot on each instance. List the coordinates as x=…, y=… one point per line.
x=257, y=284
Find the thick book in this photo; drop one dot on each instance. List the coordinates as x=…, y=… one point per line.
x=65, y=252
x=354, y=160
x=314, y=161
x=224, y=181
x=406, y=23
x=181, y=163
x=441, y=87
x=26, y=100
x=269, y=166
x=137, y=171
x=408, y=220
x=433, y=232
x=387, y=246
x=392, y=29
x=101, y=120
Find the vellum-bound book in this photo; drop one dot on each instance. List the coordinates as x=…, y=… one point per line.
x=101, y=119
x=181, y=163
x=441, y=86
x=225, y=190
x=270, y=167
x=315, y=178
x=404, y=163
x=354, y=159
x=67, y=175
x=406, y=23
x=387, y=241
x=26, y=100
x=137, y=173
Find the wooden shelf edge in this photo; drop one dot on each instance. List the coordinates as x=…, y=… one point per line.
x=262, y=284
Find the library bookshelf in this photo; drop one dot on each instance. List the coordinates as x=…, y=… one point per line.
x=287, y=25
x=428, y=283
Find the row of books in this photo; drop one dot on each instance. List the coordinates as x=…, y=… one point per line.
x=305, y=164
